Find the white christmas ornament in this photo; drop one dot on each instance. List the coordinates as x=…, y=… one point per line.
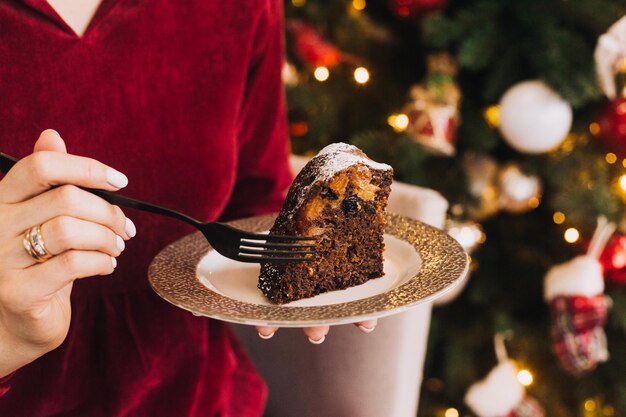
x=533, y=117
x=610, y=51
x=498, y=393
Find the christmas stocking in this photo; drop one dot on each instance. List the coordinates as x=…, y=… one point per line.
x=578, y=307
x=501, y=395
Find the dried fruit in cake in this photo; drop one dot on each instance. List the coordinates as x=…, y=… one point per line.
x=339, y=196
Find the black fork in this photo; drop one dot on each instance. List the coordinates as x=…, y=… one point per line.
x=229, y=241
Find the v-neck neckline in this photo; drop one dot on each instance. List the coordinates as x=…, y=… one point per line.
x=46, y=8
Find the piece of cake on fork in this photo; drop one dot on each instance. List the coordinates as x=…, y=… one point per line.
x=340, y=197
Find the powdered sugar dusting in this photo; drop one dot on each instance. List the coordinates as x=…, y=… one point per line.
x=323, y=167
x=342, y=155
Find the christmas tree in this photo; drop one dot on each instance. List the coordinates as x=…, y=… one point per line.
x=514, y=111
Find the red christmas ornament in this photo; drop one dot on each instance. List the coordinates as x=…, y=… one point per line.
x=613, y=260
x=413, y=9
x=611, y=122
x=311, y=47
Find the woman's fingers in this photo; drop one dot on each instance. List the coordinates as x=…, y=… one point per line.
x=40, y=171
x=65, y=233
x=69, y=200
x=43, y=280
x=50, y=140
x=367, y=326
x=60, y=235
x=266, y=332
x=317, y=334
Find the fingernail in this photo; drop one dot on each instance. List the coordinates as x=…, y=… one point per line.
x=120, y=243
x=318, y=341
x=366, y=329
x=266, y=336
x=130, y=228
x=116, y=178
x=113, y=262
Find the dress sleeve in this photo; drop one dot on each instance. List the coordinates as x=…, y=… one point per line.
x=5, y=385
x=263, y=174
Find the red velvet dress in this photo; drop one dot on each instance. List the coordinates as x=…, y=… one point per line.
x=185, y=98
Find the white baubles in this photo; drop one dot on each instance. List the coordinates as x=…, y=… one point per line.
x=533, y=117
x=498, y=393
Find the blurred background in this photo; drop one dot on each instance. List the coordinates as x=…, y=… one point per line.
x=515, y=112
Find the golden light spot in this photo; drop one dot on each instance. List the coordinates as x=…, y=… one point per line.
x=558, y=217
x=358, y=4
x=525, y=377
x=590, y=404
x=451, y=412
x=622, y=182
x=594, y=128
x=571, y=235
x=610, y=158
x=321, y=73
x=533, y=202
x=608, y=410
x=492, y=115
x=399, y=122
x=361, y=75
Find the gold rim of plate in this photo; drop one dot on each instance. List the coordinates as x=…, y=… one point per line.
x=173, y=276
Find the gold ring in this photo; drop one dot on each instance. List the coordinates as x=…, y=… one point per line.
x=35, y=246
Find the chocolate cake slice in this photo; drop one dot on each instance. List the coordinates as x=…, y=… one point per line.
x=339, y=196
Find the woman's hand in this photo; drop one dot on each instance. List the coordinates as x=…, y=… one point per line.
x=317, y=334
x=83, y=233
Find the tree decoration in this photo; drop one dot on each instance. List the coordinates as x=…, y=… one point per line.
x=609, y=56
x=470, y=236
x=610, y=59
x=481, y=171
x=500, y=394
x=311, y=47
x=496, y=187
x=578, y=306
x=533, y=117
x=433, y=108
x=613, y=260
x=415, y=9
x=519, y=192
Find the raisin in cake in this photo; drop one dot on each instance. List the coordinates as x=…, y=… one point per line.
x=339, y=196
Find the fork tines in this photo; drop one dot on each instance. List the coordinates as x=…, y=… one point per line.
x=274, y=248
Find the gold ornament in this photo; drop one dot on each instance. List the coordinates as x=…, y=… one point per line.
x=519, y=192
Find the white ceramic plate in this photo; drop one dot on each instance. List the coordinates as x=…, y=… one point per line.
x=238, y=280
x=421, y=264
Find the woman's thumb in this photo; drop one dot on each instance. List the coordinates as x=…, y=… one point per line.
x=50, y=140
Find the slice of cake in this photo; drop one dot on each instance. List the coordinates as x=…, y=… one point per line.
x=339, y=196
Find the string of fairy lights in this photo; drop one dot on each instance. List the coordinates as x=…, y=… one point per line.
x=399, y=122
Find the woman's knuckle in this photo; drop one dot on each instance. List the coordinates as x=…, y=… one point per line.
x=62, y=228
x=39, y=165
x=70, y=262
x=69, y=196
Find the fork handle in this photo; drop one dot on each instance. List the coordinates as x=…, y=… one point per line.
x=7, y=162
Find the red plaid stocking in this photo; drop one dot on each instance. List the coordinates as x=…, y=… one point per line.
x=578, y=338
